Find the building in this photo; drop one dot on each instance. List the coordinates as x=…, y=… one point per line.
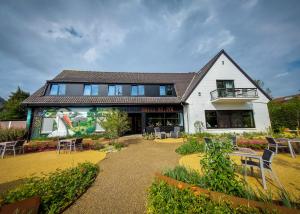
x=221, y=97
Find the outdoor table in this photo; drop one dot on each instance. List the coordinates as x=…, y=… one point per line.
x=64, y=143
x=254, y=156
x=163, y=135
x=290, y=141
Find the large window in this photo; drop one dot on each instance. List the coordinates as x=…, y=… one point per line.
x=165, y=90
x=137, y=90
x=164, y=119
x=91, y=90
x=58, y=89
x=115, y=90
x=229, y=119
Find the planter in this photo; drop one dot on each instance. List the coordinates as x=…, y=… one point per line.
x=217, y=197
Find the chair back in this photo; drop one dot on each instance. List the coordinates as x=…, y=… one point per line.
x=20, y=143
x=267, y=156
x=176, y=129
x=234, y=141
x=271, y=141
x=156, y=129
x=208, y=142
x=78, y=141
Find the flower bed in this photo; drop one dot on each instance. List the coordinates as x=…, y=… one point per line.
x=256, y=144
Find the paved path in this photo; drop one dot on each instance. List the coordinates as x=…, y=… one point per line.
x=121, y=186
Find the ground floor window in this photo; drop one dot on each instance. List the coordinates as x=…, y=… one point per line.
x=164, y=119
x=229, y=119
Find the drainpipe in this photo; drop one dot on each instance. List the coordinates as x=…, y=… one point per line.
x=187, y=118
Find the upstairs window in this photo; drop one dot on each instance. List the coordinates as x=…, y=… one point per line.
x=91, y=90
x=58, y=89
x=114, y=90
x=137, y=90
x=165, y=90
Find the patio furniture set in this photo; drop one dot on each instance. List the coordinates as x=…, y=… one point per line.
x=69, y=145
x=162, y=135
x=249, y=158
x=11, y=146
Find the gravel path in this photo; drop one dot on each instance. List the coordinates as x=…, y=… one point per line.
x=121, y=186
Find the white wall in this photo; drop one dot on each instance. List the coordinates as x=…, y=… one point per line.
x=198, y=104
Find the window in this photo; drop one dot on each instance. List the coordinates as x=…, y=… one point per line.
x=58, y=89
x=166, y=90
x=137, y=90
x=164, y=119
x=225, y=88
x=114, y=90
x=229, y=119
x=91, y=90
x=47, y=125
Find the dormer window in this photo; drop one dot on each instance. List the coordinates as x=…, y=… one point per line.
x=58, y=89
x=115, y=90
x=91, y=90
x=165, y=90
x=137, y=90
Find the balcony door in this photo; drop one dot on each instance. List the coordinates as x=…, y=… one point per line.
x=225, y=88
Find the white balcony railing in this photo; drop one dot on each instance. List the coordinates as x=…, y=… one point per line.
x=234, y=94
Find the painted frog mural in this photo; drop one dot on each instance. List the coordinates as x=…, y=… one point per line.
x=74, y=121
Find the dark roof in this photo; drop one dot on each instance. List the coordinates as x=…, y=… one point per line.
x=184, y=84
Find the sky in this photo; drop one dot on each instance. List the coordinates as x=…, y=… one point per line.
x=39, y=39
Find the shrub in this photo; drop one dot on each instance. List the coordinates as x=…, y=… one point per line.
x=218, y=170
x=11, y=134
x=180, y=173
x=191, y=146
x=257, y=144
x=57, y=190
x=163, y=198
x=118, y=146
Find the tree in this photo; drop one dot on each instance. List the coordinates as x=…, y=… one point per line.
x=13, y=108
x=115, y=123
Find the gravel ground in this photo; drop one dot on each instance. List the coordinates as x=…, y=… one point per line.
x=121, y=186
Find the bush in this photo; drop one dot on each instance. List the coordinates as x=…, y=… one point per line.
x=180, y=173
x=118, y=146
x=11, y=134
x=57, y=190
x=191, y=146
x=256, y=144
x=218, y=170
x=163, y=198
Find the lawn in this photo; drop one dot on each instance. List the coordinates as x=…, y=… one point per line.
x=286, y=167
x=23, y=166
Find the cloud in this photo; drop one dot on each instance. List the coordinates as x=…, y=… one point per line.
x=90, y=55
x=281, y=74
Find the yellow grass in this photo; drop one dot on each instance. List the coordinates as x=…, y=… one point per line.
x=169, y=140
x=23, y=166
x=286, y=168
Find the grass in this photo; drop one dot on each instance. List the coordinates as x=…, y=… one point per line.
x=286, y=168
x=23, y=166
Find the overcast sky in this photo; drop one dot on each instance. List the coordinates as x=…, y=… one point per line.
x=38, y=39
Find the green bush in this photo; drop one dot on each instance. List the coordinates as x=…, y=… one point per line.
x=163, y=198
x=180, y=173
x=11, y=134
x=118, y=146
x=218, y=170
x=57, y=190
x=285, y=114
x=191, y=146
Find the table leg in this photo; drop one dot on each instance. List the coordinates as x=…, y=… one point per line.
x=263, y=173
x=3, y=152
x=291, y=149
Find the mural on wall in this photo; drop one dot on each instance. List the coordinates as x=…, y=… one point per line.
x=58, y=122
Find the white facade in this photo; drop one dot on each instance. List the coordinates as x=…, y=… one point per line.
x=200, y=99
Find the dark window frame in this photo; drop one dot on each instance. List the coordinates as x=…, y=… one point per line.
x=229, y=113
x=91, y=85
x=114, y=85
x=167, y=88
x=138, y=90
x=59, y=85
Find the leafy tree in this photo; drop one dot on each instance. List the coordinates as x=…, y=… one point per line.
x=12, y=108
x=115, y=123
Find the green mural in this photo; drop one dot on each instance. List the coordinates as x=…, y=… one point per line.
x=70, y=121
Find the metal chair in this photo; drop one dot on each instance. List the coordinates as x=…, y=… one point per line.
x=264, y=163
x=158, y=133
x=175, y=133
x=77, y=143
x=13, y=146
x=241, y=149
x=273, y=143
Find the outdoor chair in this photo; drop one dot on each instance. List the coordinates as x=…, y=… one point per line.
x=14, y=146
x=64, y=144
x=273, y=143
x=78, y=144
x=175, y=133
x=240, y=149
x=208, y=142
x=159, y=134
x=264, y=163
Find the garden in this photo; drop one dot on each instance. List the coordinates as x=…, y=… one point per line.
x=210, y=180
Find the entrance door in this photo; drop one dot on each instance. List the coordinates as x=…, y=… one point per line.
x=135, y=123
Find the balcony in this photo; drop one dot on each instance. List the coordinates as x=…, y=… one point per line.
x=233, y=95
